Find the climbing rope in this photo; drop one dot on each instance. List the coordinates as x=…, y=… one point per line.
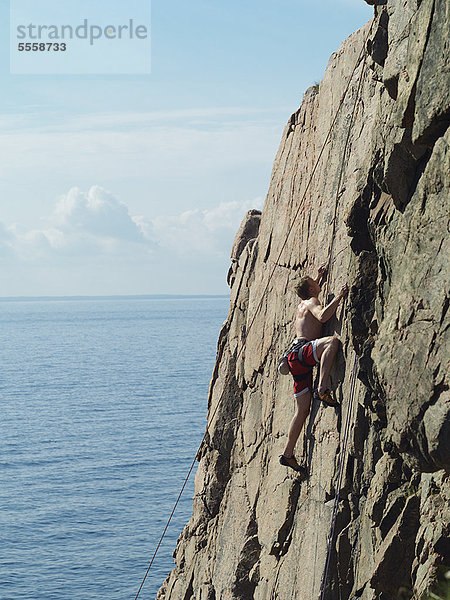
x=263, y=295
x=342, y=457
x=341, y=170
x=343, y=449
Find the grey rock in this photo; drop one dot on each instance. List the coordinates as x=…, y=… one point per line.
x=247, y=231
x=258, y=532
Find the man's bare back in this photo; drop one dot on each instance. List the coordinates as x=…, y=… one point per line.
x=311, y=314
x=306, y=324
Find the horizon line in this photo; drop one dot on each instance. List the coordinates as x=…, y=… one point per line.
x=109, y=297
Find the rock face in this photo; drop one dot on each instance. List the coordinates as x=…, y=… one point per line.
x=258, y=531
x=247, y=234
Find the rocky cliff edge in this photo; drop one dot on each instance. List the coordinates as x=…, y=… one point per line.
x=257, y=531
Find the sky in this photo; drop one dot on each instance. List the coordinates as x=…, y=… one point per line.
x=136, y=183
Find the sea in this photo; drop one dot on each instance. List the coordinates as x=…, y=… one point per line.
x=103, y=407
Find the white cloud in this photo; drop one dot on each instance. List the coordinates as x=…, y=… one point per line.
x=6, y=241
x=203, y=231
x=83, y=225
x=160, y=145
x=98, y=213
x=91, y=244
x=116, y=121
x=98, y=223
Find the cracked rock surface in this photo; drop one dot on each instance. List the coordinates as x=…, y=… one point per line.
x=257, y=531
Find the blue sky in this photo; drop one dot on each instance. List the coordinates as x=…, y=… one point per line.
x=136, y=184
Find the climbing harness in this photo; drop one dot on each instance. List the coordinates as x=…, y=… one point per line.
x=294, y=363
x=260, y=303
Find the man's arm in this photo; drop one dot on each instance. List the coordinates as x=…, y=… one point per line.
x=323, y=314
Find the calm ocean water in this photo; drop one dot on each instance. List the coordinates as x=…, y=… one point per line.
x=103, y=405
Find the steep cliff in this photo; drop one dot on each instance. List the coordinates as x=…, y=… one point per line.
x=257, y=530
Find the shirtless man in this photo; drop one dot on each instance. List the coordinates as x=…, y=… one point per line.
x=306, y=351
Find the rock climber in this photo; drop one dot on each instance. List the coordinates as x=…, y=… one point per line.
x=307, y=350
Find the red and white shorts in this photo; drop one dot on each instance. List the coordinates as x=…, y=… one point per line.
x=307, y=353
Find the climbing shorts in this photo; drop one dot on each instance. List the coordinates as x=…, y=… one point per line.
x=301, y=362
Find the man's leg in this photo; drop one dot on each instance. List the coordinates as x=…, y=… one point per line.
x=326, y=349
x=303, y=406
